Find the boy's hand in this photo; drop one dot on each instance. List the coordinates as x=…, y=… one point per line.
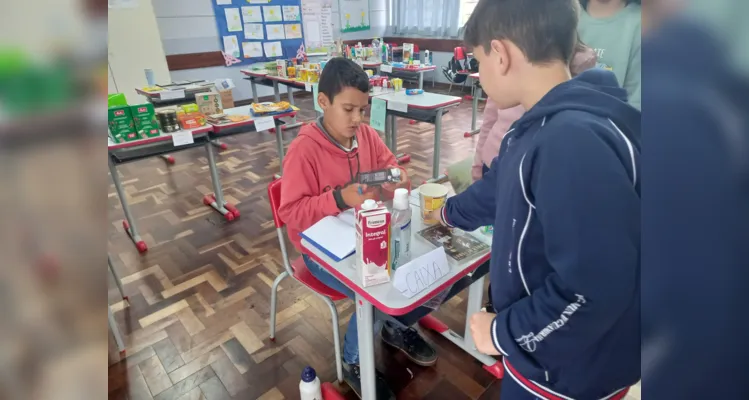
x=437, y=215
x=355, y=194
x=390, y=187
x=481, y=331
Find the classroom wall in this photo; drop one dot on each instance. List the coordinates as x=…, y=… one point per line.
x=189, y=26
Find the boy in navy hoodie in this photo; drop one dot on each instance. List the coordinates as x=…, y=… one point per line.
x=563, y=196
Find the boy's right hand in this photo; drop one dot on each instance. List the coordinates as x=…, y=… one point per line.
x=355, y=194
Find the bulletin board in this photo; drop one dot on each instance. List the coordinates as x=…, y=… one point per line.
x=259, y=30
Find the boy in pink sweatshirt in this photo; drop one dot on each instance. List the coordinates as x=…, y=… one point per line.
x=497, y=122
x=321, y=175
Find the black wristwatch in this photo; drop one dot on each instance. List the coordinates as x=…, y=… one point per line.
x=339, y=200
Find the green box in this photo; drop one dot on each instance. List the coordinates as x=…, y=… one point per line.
x=121, y=124
x=116, y=100
x=144, y=117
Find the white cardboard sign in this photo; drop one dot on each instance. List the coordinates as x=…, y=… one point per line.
x=421, y=273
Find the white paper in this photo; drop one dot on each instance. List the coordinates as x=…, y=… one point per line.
x=254, y=31
x=272, y=49
x=337, y=235
x=123, y=3
x=231, y=46
x=258, y=1
x=264, y=123
x=396, y=106
x=172, y=94
x=272, y=14
x=318, y=23
x=233, y=22
x=386, y=68
x=293, y=31
x=252, y=14
x=354, y=15
x=275, y=32
x=181, y=138
x=421, y=273
x=290, y=13
x=223, y=2
x=308, y=87
x=252, y=49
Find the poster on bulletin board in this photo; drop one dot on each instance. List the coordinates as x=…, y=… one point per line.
x=354, y=15
x=252, y=31
x=317, y=19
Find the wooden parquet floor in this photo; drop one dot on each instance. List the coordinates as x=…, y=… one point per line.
x=196, y=324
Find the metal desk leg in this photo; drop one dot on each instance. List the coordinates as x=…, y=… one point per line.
x=116, y=332
x=116, y=278
x=253, y=85
x=276, y=93
x=474, y=112
x=168, y=158
x=294, y=123
x=421, y=80
x=280, y=149
x=129, y=222
x=475, y=294
x=365, y=315
x=216, y=200
x=436, y=176
x=402, y=158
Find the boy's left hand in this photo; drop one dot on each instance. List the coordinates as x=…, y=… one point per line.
x=390, y=187
x=481, y=331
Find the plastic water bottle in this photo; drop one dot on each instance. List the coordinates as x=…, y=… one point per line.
x=401, y=229
x=309, y=386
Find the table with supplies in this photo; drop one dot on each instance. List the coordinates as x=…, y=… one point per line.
x=165, y=143
x=467, y=272
x=409, y=72
x=261, y=77
x=425, y=107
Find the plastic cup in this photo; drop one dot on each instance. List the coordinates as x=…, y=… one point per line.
x=432, y=196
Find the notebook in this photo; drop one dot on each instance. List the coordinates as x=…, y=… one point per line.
x=334, y=236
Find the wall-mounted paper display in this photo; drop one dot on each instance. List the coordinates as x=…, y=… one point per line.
x=223, y=2
x=293, y=31
x=273, y=49
x=258, y=1
x=233, y=23
x=231, y=46
x=272, y=14
x=252, y=14
x=290, y=13
x=275, y=32
x=354, y=15
x=253, y=31
x=252, y=49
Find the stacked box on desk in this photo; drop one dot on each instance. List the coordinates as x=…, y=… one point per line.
x=209, y=103
x=121, y=124
x=144, y=117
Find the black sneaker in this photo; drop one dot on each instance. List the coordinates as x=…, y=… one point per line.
x=410, y=343
x=352, y=376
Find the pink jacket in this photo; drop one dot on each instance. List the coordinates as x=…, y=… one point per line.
x=497, y=122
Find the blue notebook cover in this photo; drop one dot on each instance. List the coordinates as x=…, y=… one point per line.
x=324, y=250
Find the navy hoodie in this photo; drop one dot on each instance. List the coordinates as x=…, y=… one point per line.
x=563, y=196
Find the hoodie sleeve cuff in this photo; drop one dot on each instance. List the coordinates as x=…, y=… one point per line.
x=495, y=337
x=443, y=217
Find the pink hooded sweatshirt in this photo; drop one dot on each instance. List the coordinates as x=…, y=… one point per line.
x=315, y=166
x=497, y=122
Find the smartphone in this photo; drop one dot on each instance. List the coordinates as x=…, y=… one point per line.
x=375, y=178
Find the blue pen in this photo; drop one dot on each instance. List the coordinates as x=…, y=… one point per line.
x=360, y=191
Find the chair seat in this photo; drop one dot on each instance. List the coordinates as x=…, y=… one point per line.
x=302, y=274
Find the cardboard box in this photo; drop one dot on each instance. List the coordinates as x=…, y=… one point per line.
x=144, y=117
x=209, y=103
x=227, y=99
x=121, y=124
x=373, y=245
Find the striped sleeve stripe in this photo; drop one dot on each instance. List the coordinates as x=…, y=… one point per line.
x=495, y=339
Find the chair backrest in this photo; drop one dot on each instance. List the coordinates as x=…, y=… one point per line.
x=274, y=196
x=459, y=53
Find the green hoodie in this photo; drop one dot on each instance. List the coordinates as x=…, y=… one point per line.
x=616, y=40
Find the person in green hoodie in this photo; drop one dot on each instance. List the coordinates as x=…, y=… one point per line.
x=612, y=28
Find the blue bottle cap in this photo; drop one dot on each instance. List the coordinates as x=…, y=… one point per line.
x=308, y=374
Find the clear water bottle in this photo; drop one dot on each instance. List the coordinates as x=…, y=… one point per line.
x=400, y=229
x=309, y=386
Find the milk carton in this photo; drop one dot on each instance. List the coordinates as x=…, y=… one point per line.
x=373, y=244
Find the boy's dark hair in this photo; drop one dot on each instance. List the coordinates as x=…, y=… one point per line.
x=339, y=73
x=544, y=30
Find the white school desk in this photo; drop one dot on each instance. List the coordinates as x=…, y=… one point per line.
x=425, y=107
x=419, y=71
x=261, y=77
x=390, y=301
x=121, y=153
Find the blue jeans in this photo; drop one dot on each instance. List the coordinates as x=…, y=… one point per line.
x=351, y=338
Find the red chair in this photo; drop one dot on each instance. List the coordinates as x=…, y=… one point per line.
x=298, y=270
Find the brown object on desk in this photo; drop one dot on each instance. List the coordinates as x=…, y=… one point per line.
x=227, y=99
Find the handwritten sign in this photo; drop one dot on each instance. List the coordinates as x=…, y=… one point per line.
x=421, y=273
x=386, y=68
x=396, y=106
x=264, y=123
x=378, y=114
x=181, y=138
